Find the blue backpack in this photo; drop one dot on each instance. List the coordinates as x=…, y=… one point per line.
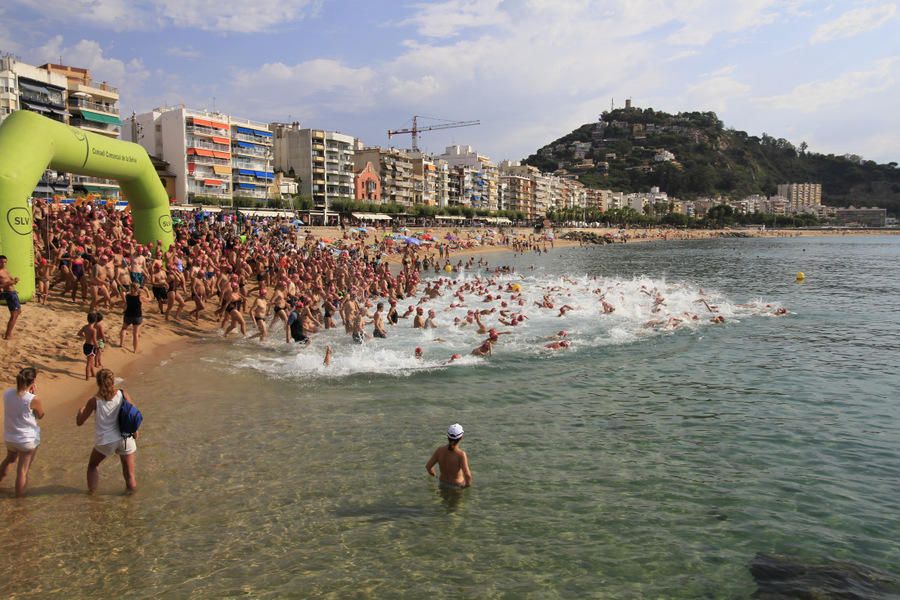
x=130, y=417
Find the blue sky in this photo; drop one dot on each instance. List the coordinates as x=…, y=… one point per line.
x=827, y=73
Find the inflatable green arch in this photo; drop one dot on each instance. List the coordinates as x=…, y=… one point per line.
x=30, y=143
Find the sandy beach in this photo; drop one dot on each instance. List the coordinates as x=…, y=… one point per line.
x=46, y=335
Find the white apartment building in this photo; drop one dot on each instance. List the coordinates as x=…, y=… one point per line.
x=199, y=145
x=479, y=187
x=323, y=161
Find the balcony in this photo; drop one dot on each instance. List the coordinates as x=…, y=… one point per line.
x=208, y=160
x=253, y=165
x=261, y=153
x=253, y=139
x=112, y=109
x=193, y=142
x=109, y=129
x=49, y=99
x=207, y=131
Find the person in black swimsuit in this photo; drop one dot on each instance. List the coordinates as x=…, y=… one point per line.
x=233, y=311
x=393, y=316
x=133, y=316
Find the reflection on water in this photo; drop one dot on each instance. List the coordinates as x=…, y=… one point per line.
x=654, y=464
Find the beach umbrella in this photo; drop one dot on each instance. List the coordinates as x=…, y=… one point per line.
x=414, y=241
x=363, y=229
x=326, y=240
x=427, y=236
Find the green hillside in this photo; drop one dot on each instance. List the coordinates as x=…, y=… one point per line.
x=619, y=152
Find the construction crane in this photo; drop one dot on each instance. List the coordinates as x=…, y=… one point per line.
x=415, y=129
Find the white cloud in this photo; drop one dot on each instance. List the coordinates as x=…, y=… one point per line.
x=187, y=52
x=88, y=54
x=210, y=15
x=853, y=85
x=277, y=89
x=447, y=19
x=854, y=22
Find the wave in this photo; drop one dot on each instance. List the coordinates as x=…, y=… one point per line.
x=641, y=308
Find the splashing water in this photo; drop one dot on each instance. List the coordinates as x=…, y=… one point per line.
x=642, y=308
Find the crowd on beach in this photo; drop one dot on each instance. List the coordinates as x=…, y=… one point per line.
x=272, y=273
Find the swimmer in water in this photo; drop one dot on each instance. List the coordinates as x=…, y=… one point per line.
x=453, y=462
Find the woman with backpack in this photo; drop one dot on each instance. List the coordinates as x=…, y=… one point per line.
x=108, y=437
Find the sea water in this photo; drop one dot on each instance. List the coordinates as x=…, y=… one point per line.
x=643, y=461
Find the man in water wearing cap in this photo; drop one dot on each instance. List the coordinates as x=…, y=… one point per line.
x=454, y=463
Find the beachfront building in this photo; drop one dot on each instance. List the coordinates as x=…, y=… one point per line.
x=252, y=157
x=479, y=178
x=367, y=185
x=395, y=171
x=92, y=107
x=869, y=217
x=323, y=161
x=801, y=195
x=598, y=199
x=27, y=87
x=198, y=146
x=430, y=180
x=520, y=188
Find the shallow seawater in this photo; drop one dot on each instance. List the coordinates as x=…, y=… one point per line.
x=641, y=462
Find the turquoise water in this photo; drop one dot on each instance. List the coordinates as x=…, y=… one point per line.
x=641, y=463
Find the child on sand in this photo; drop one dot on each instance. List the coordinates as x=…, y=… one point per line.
x=89, y=333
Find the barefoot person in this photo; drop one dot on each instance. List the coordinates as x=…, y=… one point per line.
x=454, y=463
x=133, y=316
x=21, y=410
x=9, y=294
x=108, y=438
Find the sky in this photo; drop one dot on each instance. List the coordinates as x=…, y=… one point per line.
x=827, y=73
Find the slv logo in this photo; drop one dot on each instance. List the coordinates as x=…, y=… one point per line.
x=165, y=223
x=19, y=220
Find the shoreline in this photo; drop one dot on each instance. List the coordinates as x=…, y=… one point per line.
x=46, y=335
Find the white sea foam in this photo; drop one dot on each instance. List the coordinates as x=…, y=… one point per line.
x=637, y=317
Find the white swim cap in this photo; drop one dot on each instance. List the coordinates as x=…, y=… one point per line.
x=455, y=431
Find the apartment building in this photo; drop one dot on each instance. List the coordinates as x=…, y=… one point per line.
x=252, y=173
x=92, y=107
x=199, y=146
x=480, y=177
x=519, y=184
x=395, y=171
x=323, y=161
x=27, y=87
x=430, y=180
x=801, y=195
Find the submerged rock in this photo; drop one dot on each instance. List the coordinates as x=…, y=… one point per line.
x=780, y=578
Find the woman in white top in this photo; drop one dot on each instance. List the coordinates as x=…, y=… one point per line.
x=108, y=438
x=21, y=410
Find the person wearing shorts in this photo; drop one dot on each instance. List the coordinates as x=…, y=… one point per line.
x=8, y=293
x=108, y=439
x=21, y=432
